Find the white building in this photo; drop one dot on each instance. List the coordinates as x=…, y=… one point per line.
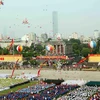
x=26, y=40
x=86, y=40
x=82, y=38
x=25, y=37
x=96, y=34
x=75, y=35
x=32, y=37
x=29, y=37
x=44, y=37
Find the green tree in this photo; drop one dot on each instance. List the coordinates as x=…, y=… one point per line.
x=5, y=51
x=97, y=49
x=25, y=62
x=85, y=51
x=34, y=62
x=75, y=41
x=49, y=39
x=1, y=51
x=76, y=48
x=77, y=51
x=66, y=41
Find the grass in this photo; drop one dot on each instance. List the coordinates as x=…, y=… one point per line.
x=18, y=88
x=9, y=82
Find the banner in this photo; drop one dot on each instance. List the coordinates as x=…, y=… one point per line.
x=10, y=58
x=94, y=58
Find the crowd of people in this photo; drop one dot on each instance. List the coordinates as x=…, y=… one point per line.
x=36, y=88
x=46, y=91
x=47, y=94
x=82, y=93
x=96, y=96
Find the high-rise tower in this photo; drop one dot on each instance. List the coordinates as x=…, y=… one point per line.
x=55, y=22
x=96, y=34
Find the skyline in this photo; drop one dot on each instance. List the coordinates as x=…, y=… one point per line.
x=73, y=16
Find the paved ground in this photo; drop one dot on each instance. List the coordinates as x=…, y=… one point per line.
x=53, y=74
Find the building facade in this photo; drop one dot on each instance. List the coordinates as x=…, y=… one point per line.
x=6, y=43
x=60, y=48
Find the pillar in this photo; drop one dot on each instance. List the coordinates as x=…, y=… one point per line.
x=64, y=49
x=56, y=49
x=59, y=49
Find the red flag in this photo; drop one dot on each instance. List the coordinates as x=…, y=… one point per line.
x=82, y=60
x=14, y=68
x=38, y=74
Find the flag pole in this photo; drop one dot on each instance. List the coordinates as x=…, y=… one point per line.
x=13, y=48
x=13, y=58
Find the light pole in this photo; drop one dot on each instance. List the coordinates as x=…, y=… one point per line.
x=99, y=45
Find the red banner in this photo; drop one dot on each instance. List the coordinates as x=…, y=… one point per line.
x=52, y=57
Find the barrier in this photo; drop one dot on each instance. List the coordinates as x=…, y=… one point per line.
x=57, y=82
x=12, y=86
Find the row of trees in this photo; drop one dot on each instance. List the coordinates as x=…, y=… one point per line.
x=37, y=49
x=32, y=51
x=83, y=49
x=27, y=52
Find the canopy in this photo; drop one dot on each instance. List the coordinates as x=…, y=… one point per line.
x=72, y=82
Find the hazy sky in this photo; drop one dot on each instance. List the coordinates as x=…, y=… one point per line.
x=81, y=16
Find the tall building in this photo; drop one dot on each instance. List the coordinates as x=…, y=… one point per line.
x=96, y=34
x=55, y=23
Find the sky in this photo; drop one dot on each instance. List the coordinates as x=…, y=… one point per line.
x=81, y=16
